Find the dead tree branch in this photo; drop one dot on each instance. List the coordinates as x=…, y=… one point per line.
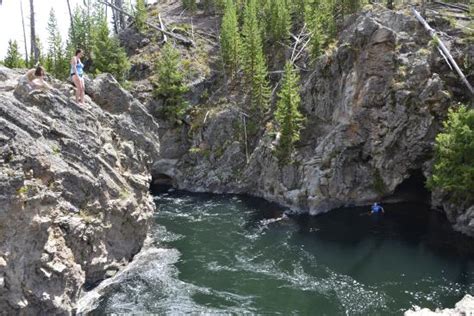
x=182, y=39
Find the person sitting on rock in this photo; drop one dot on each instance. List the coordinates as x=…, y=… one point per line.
x=376, y=209
x=35, y=78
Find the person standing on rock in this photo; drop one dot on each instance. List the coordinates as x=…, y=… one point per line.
x=77, y=73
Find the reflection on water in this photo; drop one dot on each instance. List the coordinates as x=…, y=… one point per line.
x=234, y=254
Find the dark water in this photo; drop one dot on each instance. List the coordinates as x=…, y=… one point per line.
x=226, y=254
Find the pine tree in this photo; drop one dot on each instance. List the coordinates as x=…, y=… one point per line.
x=80, y=36
x=56, y=60
x=230, y=39
x=170, y=85
x=254, y=64
x=87, y=22
x=287, y=114
x=109, y=56
x=321, y=18
x=279, y=21
x=141, y=15
x=453, y=170
x=13, y=58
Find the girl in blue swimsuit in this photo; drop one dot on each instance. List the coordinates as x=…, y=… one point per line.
x=76, y=74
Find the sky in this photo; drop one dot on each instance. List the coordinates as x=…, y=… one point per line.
x=10, y=21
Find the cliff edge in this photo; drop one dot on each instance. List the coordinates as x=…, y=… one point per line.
x=74, y=200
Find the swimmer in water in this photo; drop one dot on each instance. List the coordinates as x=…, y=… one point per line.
x=284, y=216
x=376, y=209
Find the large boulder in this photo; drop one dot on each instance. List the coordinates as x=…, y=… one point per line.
x=74, y=200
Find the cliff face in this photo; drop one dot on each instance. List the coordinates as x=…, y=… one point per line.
x=373, y=104
x=74, y=201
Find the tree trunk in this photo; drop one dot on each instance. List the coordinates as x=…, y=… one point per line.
x=444, y=49
x=115, y=20
x=34, y=46
x=118, y=16
x=24, y=32
x=72, y=23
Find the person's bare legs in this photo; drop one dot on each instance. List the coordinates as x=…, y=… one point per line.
x=83, y=90
x=77, y=83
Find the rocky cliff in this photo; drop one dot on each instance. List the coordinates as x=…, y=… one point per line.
x=374, y=103
x=74, y=201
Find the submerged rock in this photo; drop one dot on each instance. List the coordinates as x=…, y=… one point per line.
x=74, y=201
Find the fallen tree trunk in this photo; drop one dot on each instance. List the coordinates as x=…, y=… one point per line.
x=182, y=39
x=162, y=25
x=443, y=48
x=453, y=6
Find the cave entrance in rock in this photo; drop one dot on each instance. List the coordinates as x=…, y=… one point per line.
x=161, y=183
x=412, y=189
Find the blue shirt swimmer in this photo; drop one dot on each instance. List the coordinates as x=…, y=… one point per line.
x=376, y=209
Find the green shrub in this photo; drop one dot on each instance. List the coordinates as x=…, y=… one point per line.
x=453, y=171
x=170, y=84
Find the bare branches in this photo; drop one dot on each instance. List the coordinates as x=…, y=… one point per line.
x=301, y=42
x=182, y=39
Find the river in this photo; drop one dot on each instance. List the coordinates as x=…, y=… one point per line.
x=233, y=254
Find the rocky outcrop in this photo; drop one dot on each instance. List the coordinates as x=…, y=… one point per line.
x=463, y=307
x=373, y=104
x=460, y=214
x=74, y=201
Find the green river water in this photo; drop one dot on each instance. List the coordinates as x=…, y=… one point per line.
x=225, y=254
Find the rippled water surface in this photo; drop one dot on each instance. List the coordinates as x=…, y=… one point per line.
x=229, y=254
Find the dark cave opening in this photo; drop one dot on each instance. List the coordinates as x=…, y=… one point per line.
x=161, y=183
x=412, y=189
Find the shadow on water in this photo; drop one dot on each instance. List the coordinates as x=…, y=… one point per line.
x=412, y=223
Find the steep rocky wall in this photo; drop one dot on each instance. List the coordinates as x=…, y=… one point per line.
x=373, y=104
x=74, y=201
